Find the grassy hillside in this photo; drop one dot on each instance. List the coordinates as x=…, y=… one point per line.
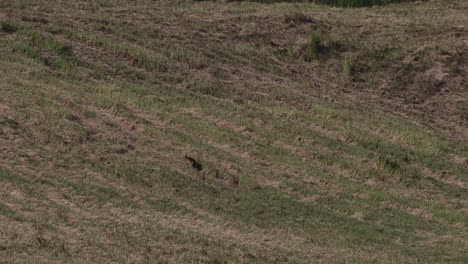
x=337, y=3
x=180, y=132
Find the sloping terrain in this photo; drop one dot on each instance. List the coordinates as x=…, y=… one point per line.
x=230, y=132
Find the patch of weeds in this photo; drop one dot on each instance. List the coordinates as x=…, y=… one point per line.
x=292, y=50
x=319, y=45
x=405, y=77
x=166, y=204
x=59, y=48
x=348, y=67
x=128, y=172
x=456, y=62
x=27, y=50
x=8, y=27
x=410, y=177
x=52, y=52
x=219, y=259
x=62, y=250
x=107, y=194
x=146, y=59
x=41, y=241
x=62, y=215
x=54, y=46
x=314, y=48
x=382, y=54
x=389, y=164
x=247, y=50
x=5, y=211
x=212, y=88
x=89, y=113
x=50, y=44
x=55, y=245
x=55, y=30
x=120, y=108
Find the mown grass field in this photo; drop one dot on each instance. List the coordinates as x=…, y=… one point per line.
x=324, y=135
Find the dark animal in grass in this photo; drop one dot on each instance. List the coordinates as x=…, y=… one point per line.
x=194, y=163
x=8, y=28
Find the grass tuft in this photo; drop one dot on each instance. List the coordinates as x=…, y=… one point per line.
x=315, y=47
x=348, y=67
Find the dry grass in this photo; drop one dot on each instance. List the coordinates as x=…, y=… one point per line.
x=303, y=160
